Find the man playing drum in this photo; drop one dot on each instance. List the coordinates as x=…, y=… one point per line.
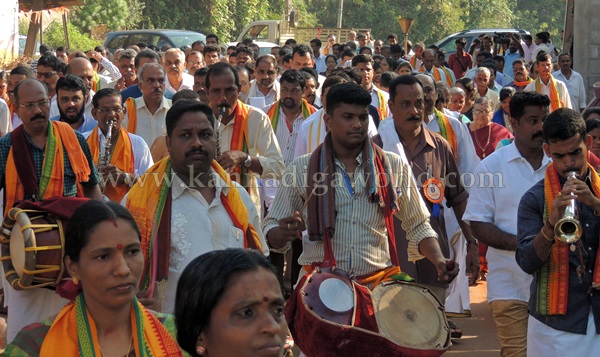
x=343, y=169
x=33, y=172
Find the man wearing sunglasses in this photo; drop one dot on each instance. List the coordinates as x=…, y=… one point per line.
x=49, y=70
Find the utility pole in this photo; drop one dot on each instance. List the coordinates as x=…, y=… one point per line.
x=340, y=14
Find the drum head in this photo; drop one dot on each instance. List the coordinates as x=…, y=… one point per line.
x=336, y=295
x=17, y=249
x=410, y=315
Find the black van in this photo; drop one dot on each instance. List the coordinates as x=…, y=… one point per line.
x=159, y=38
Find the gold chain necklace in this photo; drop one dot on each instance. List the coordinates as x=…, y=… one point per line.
x=487, y=143
x=128, y=348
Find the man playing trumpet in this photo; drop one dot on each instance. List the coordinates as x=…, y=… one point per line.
x=565, y=302
x=127, y=156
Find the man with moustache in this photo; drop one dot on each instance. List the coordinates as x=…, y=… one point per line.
x=194, y=61
x=248, y=145
x=265, y=84
x=438, y=73
x=521, y=72
x=564, y=306
x=126, y=64
x=146, y=115
x=287, y=116
x=432, y=161
x=30, y=169
x=134, y=91
x=71, y=94
x=546, y=84
x=195, y=209
x=174, y=63
x=129, y=156
x=573, y=81
x=501, y=180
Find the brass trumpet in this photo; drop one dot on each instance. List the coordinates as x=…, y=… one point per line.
x=217, y=129
x=568, y=228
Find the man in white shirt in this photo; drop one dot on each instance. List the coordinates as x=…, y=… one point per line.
x=248, y=147
x=379, y=98
x=547, y=84
x=118, y=170
x=146, y=114
x=573, y=80
x=528, y=48
x=174, y=63
x=199, y=211
x=501, y=179
x=313, y=130
x=264, y=88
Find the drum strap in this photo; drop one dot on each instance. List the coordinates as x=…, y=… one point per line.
x=25, y=167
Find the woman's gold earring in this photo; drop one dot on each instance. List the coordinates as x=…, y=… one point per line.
x=75, y=281
x=200, y=350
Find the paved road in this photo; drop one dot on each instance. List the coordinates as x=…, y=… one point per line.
x=479, y=332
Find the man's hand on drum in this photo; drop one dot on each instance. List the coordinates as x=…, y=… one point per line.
x=289, y=228
x=447, y=270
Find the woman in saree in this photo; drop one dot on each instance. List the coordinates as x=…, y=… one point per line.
x=103, y=256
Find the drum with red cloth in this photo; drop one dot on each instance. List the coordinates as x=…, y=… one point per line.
x=33, y=242
x=395, y=319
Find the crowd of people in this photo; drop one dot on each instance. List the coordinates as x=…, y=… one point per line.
x=217, y=178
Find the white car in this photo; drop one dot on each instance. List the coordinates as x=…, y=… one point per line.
x=265, y=47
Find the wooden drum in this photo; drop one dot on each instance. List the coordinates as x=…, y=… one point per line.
x=33, y=248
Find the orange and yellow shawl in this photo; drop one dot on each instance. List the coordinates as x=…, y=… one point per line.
x=131, y=115
x=239, y=141
x=121, y=157
x=273, y=112
x=147, y=200
x=553, y=277
x=437, y=74
x=74, y=333
x=51, y=183
x=446, y=131
x=555, y=102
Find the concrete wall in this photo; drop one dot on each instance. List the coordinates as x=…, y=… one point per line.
x=586, y=42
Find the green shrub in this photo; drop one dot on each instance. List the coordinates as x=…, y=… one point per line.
x=55, y=36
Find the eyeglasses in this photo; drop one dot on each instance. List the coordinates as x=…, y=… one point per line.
x=31, y=106
x=107, y=111
x=46, y=75
x=191, y=63
x=478, y=111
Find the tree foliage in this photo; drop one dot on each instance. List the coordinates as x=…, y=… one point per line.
x=55, y=36
x=116, y=14
x=434, y=19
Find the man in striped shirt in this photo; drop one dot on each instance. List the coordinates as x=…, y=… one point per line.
x=360, y=239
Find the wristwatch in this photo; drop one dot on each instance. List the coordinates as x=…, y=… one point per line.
x=248, y=161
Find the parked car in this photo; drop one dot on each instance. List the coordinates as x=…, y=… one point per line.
x=264, y=47
x=22, y=41
x=448, y=42
x=158, y=38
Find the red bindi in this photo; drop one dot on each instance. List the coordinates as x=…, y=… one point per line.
x=266, y=299
x=119, y=246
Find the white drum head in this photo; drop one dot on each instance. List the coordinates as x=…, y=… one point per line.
x=17, y=248
x=336, y=295
x=409, y=315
